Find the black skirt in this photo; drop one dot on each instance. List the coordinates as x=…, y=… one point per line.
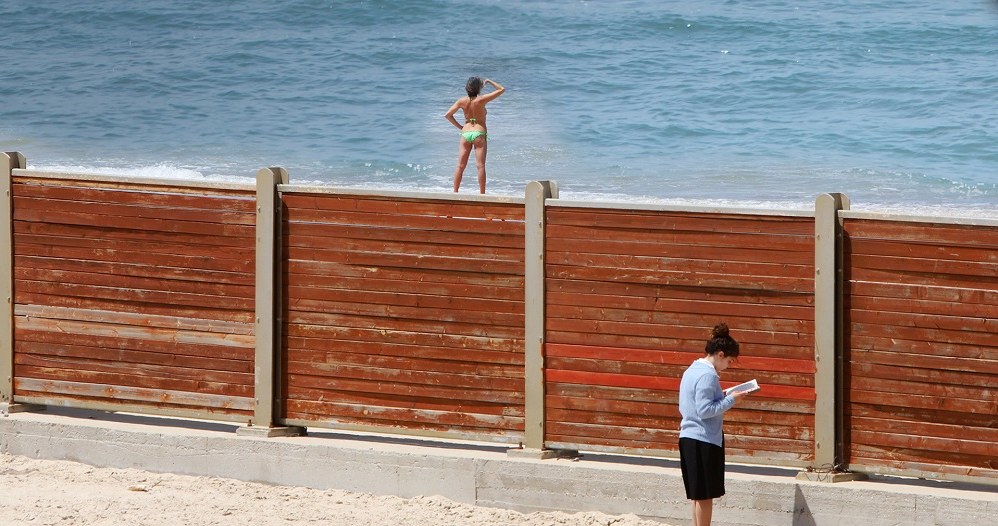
x=703, y=469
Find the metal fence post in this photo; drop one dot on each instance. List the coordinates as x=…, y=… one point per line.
x=268, y=307
x=534, y=305
x=828, y=336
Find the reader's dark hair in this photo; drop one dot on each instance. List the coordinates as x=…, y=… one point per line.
x=473, y=87
x=720, y=341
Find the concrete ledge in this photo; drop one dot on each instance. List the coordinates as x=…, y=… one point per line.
x=483, y=474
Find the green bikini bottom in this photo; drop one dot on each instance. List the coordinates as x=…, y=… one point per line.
x=470, y=136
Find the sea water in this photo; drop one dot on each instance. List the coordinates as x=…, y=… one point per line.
x=763, y=103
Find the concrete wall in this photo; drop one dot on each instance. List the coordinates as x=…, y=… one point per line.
x=483, y=474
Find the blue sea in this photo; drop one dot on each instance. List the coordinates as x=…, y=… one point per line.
x=761, y=103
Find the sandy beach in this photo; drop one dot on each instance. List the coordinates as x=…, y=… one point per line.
x=46, y=492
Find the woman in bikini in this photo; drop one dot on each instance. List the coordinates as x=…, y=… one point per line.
x=473, y=133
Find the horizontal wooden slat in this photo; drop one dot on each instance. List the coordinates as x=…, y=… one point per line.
x=129, y=394
x=688, y=221
x=305, y=387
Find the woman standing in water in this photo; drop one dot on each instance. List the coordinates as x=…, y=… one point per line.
x=474, y=133
x=702, y=404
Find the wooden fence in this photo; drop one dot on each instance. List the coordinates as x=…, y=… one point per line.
x=632, y=295
x=132, y=296
x=537, y=320
x=403, y=313
x=922, y=352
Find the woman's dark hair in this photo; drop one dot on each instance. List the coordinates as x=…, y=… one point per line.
x=473, y=87
x=720, y=340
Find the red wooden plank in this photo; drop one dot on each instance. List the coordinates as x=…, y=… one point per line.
x=929, y=251
x=665, y=292
x=305, y=349
x=444, y=341
x=166, y=193
x=27, y=273
x=116, y=213
x=922, y=321
x=918, y=367
x=337, y=357
x=304, y=387
x=115, y=341
x=904, y=400
x=394, y=377
x=124, y=356
x=692, y=221
x=922, y=232
x=131, y=380
x=306, y=295
x=924, y=334
x=425, y=249
x=298, y=270
x=323, y=234
x=706, y=281
x=461, y=328
x=688, y=260
x=444, y=222
x=402, y=206
x=175, y=239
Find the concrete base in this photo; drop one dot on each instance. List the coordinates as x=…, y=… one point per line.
x=484, y=474
x=271, y=432
x=542, y=454
x=7, y=409
x=831, y=476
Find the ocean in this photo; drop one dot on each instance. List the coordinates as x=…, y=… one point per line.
x=763, y=103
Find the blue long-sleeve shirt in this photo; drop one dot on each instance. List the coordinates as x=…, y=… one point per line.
x=702, y=403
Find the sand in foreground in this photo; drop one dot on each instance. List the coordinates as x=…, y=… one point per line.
x=47, y=492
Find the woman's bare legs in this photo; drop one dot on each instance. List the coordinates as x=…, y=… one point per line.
x=702, y=511
x=463, y=152
x=481, y=150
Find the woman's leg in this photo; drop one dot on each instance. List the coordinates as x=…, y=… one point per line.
x=463, y=152
x=702, y=511
x=481, y=150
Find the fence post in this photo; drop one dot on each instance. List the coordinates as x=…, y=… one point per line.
x=8, y=162
x=828, y=337
x=268, y=307
x=534, y=304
